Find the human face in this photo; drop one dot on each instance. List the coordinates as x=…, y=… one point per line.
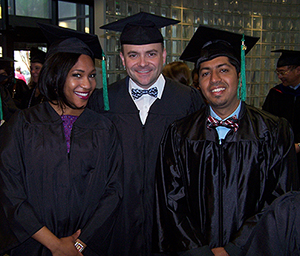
x=35, y=69
x=79, y=85
x=144, y=63
x=289, y=76
x=218, y=81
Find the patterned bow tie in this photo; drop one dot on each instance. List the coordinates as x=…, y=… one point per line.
x=137, y=93
x=229, y=123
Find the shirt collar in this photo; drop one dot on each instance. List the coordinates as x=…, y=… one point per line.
x=235, y=113
x=295, y=87
x=160, y=84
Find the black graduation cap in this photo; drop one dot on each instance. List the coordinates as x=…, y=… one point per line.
x=208, y=43
x=288, y=58
x=141, y=28
x=37, y=55
x=69, y=40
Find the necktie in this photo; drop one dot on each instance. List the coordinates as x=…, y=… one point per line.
x=137, y=93
x=229, y=123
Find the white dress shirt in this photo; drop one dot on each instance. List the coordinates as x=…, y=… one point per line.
x=145, y=101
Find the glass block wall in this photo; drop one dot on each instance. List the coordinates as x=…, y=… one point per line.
x=276, y=22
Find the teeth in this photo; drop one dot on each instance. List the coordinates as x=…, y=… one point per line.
x=143, y=71
x=83, y=94
x=218, y=89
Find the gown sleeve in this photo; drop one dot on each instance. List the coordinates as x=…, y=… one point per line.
x=97, y=231
x=18, y=219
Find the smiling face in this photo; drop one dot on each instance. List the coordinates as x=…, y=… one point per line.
x=218, y=81
x=79, y=85
x=289, y=76
x=144, y=63
x=35, y=69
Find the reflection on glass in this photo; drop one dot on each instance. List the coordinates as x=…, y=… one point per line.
x=33, y=8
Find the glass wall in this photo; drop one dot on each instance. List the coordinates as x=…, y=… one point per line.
x=32, y=8
x=74, y=16
x=276, y=22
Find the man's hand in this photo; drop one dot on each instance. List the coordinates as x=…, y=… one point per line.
x=219, y=251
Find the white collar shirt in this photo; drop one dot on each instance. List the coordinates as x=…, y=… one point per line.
x=144, y=103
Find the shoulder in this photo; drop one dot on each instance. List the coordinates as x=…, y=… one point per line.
x=90, y=119
x=265, y=120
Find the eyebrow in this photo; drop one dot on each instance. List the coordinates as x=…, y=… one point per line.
x=219, y=66
x=136, y=52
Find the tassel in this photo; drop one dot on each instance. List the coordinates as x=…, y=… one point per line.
x=105, y=91
x=242, y=81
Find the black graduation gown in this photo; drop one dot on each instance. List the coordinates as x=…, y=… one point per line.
x=284, y=101
x=210, y=195
x=277, y=232
x=140, y=146
x=42, y=185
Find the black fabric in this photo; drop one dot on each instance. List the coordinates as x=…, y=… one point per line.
x=284, y=101
x=42, y=185
x=140, y=146
x=209, y=194
x=30, y=99
x=277, y=232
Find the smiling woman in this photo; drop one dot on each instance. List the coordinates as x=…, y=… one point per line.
x=60, y=163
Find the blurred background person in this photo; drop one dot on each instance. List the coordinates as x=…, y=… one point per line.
x=178, y=71
x=284, y=99
x=33, y=96
x=17, y=88
x=19, y=75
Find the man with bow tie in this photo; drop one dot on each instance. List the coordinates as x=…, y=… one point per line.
x=142, y=106
x=220, y=166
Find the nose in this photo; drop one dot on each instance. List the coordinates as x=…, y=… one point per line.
x=142, y=61
x=86, y=83
x=215, y=76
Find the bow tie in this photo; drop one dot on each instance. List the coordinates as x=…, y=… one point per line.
x=137, y=93
x=229, y=123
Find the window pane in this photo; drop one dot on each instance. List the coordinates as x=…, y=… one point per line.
x=66, y=9
x=33, y=8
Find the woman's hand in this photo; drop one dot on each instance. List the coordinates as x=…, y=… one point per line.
x=58, y=246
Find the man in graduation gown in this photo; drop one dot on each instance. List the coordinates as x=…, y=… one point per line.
x=220, y=166
x=284, y=99
x=277, y=232
x=141, y=120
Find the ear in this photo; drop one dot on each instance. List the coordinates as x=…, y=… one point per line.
x=122, y=58
x=164, y=55
x=298, y=70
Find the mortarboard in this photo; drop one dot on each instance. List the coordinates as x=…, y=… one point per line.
x=208, y=43
x=69, y=40
x=72, y=41
x=288, y=58
x=36, y=55
x=141, y=28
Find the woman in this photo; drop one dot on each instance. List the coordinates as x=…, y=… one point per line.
x=33, y=96
x=60, y=163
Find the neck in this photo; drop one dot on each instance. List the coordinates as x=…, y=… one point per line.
x=66, y=110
